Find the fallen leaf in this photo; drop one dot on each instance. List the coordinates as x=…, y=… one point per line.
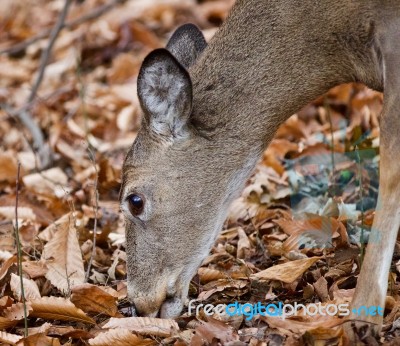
x=52, y=181
x=208, y=274
x=91, y=298
x=39, y=339
x=144, y=325
x=8, y=338
x=64, y=258
x=31, y=290
x=214, y=331
x=57, y=308
x=243, y=245
x=13, y=314
x=120, y=337
x=286, y=272
x=34, y=269
x=8, y=167
x=24, y=213
x=290, y=325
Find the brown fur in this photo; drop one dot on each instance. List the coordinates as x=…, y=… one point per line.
x=268, y=60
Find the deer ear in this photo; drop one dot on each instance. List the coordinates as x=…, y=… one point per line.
x=186, y=44
x=165, y=94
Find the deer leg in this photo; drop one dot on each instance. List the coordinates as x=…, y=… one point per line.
x=373, y=280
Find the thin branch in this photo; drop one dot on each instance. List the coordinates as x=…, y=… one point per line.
x=23, y=115
x=95, y=209
x=97, y=12
x=19, y=253
x=46, y=53
x=361, y=194
x=328, y=113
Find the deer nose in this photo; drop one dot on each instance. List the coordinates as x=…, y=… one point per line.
x=169, y=308
x=147, y=307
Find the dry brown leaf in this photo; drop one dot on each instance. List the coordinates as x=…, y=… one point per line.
x=8, y=338
x=44, y=328
x=120, y=337
x=208, y=274
x=64, y=258
x=243, y=244
x=321, y=288
x=289, y=326
x=28, y=231
x=13, y=314
x=5, y=302
x=212, y=331
x=31, y=290
x=50, y=182
x=5, y=323
x=57, y=308
x=8, y=167
x=286, y=272
x=34, y=269
x=145, y=325
x=6, y=265
x=48, y=233
x=323, y=336
x=317, y=230
x=91, y=298
x=219, y=286
x=39, y=339
x=24, y=213
x=274, y=155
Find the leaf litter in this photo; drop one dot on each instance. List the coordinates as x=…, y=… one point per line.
x=294, y=235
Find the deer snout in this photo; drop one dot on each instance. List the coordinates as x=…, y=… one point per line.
x=168, y=308
x=148, y=306
x=165, y=302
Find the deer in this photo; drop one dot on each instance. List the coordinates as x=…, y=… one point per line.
x=210, y=111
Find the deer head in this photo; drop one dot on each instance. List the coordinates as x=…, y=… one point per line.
x=173, y=182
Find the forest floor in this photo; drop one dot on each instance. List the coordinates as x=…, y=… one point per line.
x=306, y=213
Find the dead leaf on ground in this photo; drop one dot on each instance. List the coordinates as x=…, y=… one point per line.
x=13, y=314
x=286, y=272
x=91, y=298
x=120, y=337
x=214, y=331
x=31, y=290
x=64, y=258
x=39, y=339
x=145, y=325
x=8, y=338
x=8, y=167
x=50, y=182
x=57, y=308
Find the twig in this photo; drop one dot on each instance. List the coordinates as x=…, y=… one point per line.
x=19, y=253
x=46, y=53
x=328, y=113
x=95, y=209
x=97, y=12
x=362, y=243
x=39, y=145
x=26, y=119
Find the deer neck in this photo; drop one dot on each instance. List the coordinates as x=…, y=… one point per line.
x=266, y=62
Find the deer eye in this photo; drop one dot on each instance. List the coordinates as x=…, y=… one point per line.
x=136, y=204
